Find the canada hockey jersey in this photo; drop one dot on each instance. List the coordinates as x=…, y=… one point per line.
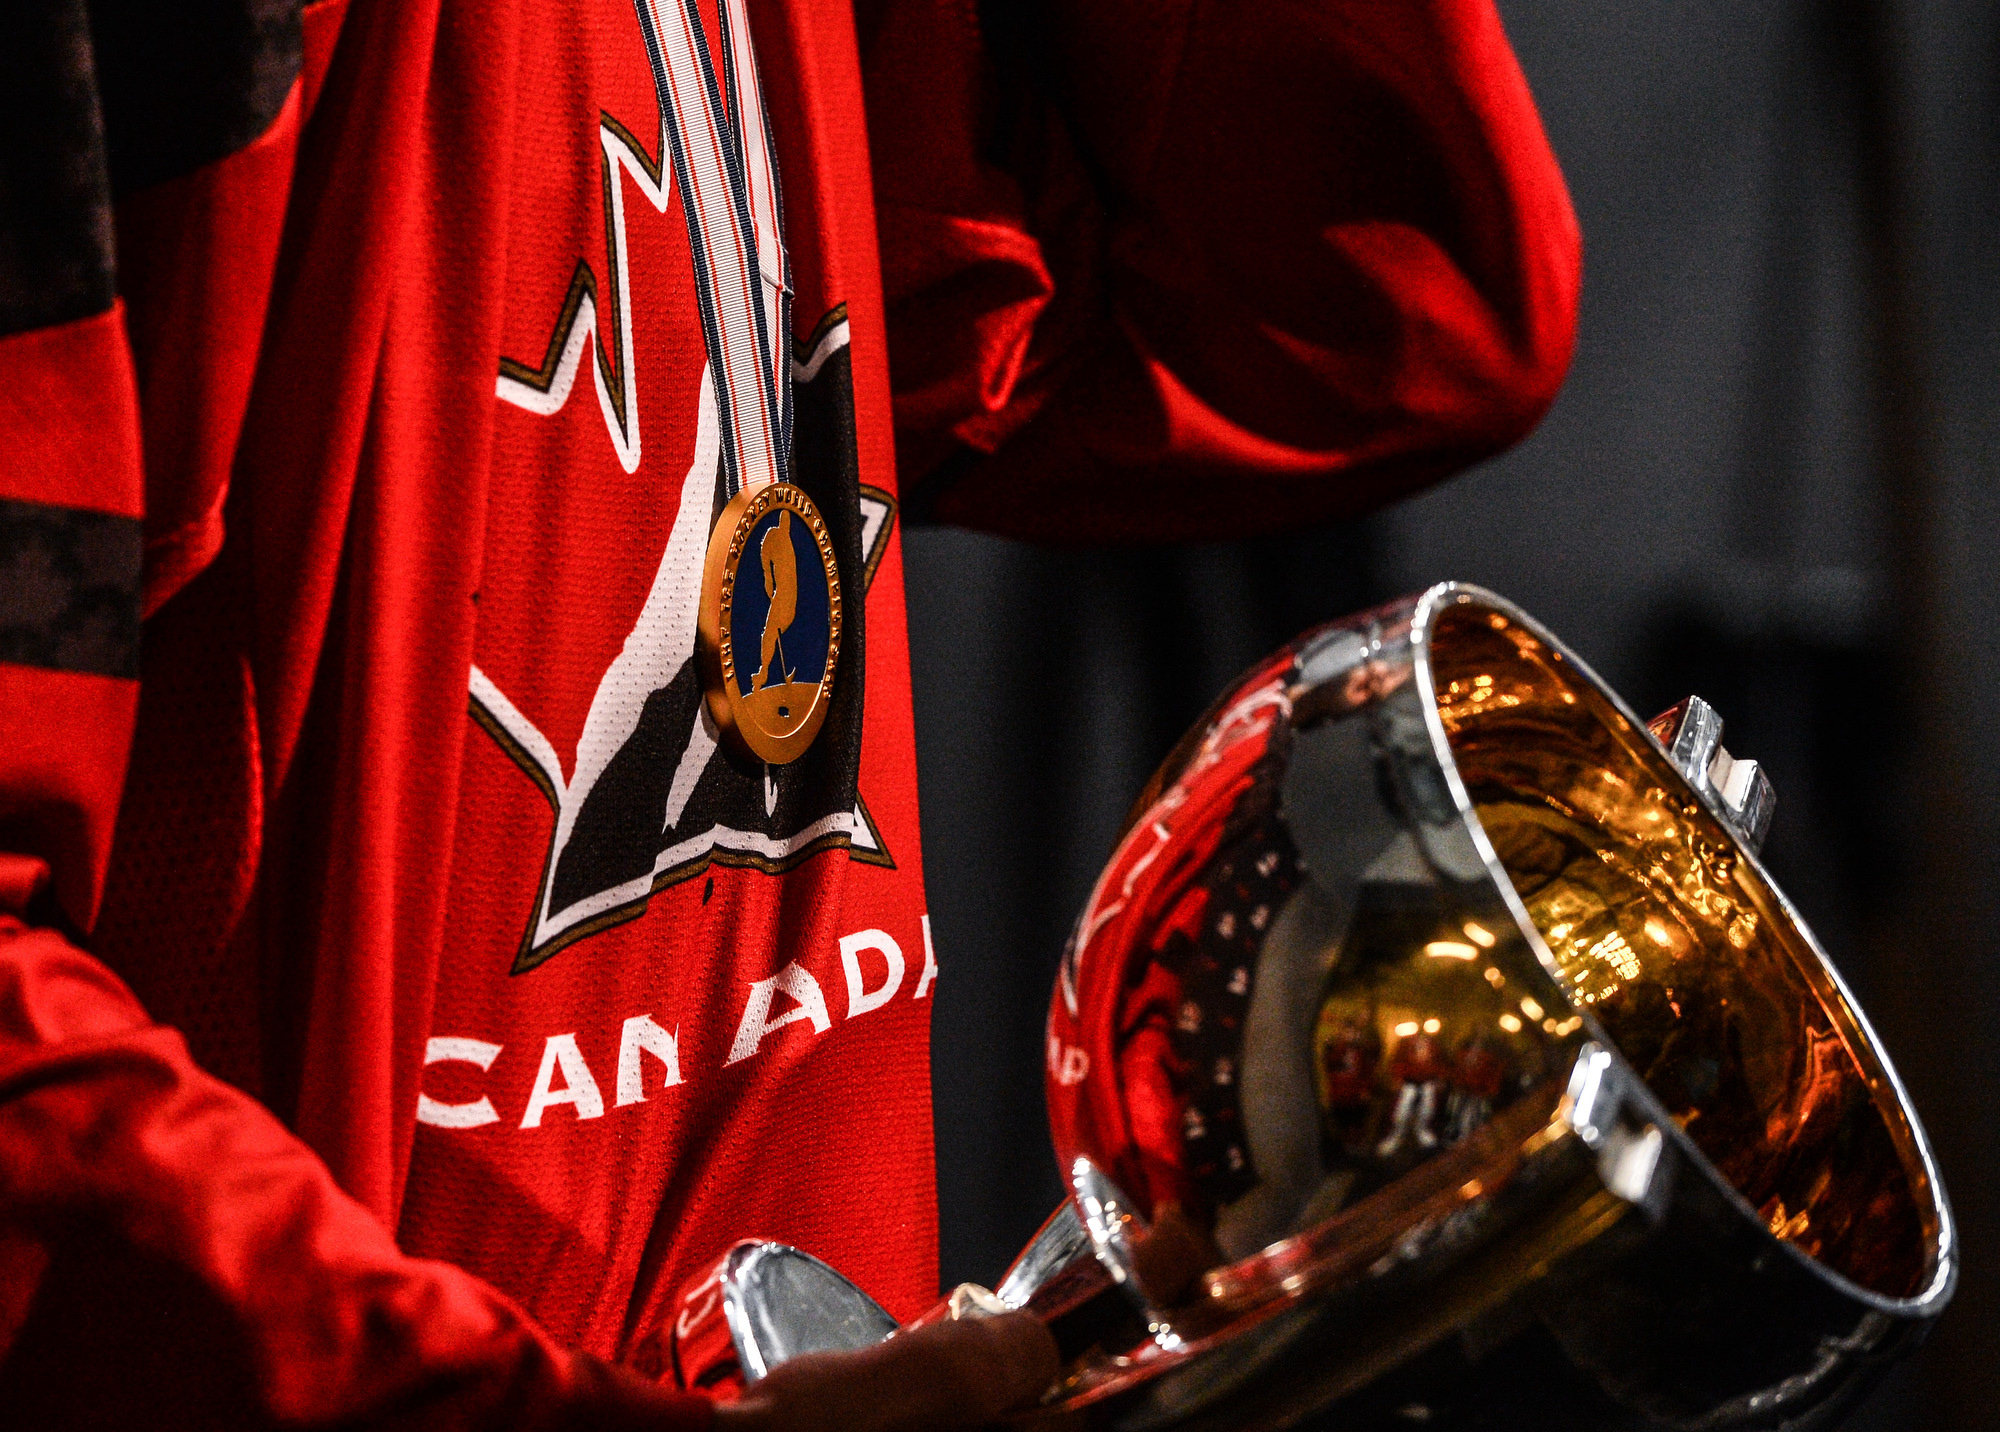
x=404, y=985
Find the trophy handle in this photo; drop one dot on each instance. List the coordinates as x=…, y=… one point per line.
x=761, y=1304
x=1058, y=1271
x=764, y=1303
x=1070, y=1277
x=1691, y=734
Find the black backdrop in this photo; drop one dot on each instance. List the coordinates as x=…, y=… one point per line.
x=1770, y=479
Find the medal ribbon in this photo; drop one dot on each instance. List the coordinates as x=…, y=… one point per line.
x=728, y=185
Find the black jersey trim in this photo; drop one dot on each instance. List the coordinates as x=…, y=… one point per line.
x=69, y=589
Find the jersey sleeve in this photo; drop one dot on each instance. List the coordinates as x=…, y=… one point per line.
x=1197, y=270
x=170, y=1254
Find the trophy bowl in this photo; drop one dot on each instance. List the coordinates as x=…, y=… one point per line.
x=1434, y=1051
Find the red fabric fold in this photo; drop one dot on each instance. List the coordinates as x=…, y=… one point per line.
x=153, y=1215
x=1335, y=260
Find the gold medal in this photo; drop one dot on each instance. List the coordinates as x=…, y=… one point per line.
x=768, y=634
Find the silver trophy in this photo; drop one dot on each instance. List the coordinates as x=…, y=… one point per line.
x=1434, y=1051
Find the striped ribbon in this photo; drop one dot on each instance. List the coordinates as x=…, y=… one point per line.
x=728, y=183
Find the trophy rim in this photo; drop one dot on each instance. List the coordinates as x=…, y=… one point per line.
x=1942, y=1263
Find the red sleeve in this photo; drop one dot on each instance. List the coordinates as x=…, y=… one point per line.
x=170, y=1255
x=1164, y=271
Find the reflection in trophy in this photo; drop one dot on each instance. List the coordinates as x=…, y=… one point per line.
x=1349, y=1052
x=1434, y=1044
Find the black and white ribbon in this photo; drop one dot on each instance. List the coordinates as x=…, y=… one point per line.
x=728, y=183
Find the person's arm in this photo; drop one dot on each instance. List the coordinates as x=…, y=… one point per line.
x=173, y=1256
x=1163, y=271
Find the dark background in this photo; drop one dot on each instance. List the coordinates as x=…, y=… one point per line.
x=1769, y=480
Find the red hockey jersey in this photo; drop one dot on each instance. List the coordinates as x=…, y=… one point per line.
x=442, y=330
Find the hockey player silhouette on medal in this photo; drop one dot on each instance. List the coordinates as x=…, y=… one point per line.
x=781, y=585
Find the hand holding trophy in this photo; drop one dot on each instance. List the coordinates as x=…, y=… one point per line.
x=1435, y=1051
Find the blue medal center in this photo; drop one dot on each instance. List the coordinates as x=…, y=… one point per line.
x=780, y=610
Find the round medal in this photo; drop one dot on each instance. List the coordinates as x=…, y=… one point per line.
x=769, y=629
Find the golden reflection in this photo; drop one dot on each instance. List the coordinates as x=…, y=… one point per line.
x=1412, y=1056
x=1450, y=950
x=1673, y=943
